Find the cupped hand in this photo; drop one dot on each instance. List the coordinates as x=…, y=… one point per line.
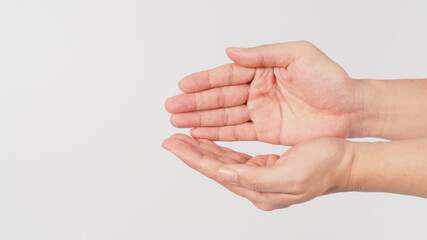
x=307, y=170
x=282, y=94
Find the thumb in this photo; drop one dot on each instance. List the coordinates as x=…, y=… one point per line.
x=260, y=179
x=273, y=55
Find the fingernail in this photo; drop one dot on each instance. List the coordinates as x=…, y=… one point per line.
x=227, y=175
x=235, y=49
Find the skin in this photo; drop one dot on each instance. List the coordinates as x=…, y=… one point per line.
x=268, y=181
x=281, y=94
x=393, y=109
x=291, y=92
x=309, y=169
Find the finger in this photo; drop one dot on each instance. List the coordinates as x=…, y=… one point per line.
x=207, y=141
x=211, y=118
x=222, y=154
x=264, y=201
x=210, y=168
x=240, y=132
x=186, y=139
x=207, y=166
x=192, y=157
x=264, y=160
x=226, y=75
x=260, y=179
x=273, y=55
x=245, y=156
x=210, y=99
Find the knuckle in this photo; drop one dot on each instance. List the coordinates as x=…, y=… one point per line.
x=231, y=71
x=234, y=133
x=224, y=117
x=220, y=98
x=256, y=183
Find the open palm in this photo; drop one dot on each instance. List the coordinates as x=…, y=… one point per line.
x=281, y=94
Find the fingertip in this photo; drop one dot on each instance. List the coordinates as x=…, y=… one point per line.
x=169, y=143
x=195, y=82
x=192, y=132
x=178, y=135
x=195, y=132
x=181, y=103
x=185, y=138
x=184, y=150
x=173, y=120
x=182, y=85
x=234, y=49
x=245, y=57
x=230, y=51
x=164, y=143
x=169, y=105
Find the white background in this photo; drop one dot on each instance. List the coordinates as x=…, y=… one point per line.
x=82, y=87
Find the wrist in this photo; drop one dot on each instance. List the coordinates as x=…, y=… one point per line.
x=361, y=174
x=368, y=115
x=378, y=167
x=345, y=168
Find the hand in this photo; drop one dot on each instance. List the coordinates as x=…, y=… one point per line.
x=281, y=94
x=307, y=170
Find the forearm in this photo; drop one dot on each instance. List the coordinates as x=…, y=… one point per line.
x=391, y=109
x=395, y=167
